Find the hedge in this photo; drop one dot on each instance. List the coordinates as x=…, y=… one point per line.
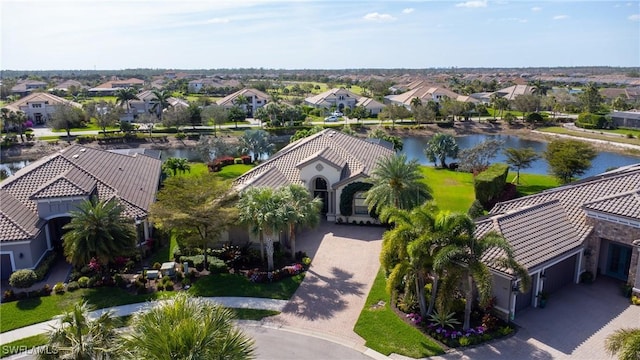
x=346, y=197
x=490, y=183
x=593, y=121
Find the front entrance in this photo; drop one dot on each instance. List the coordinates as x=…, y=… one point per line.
x=7, y=268
x=56, y=231
x=320, y=191
x=618, y=261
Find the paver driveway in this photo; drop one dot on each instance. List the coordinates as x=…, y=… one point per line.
x=574, y=325
x=345, y=263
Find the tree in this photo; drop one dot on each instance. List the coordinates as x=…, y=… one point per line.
x=210, y=147
x=526, y=103
x=236, y=114
x=569, y=158
x=160, y=101
x=216, y=114
x=199, y=207
x=476, y=159
x=78, y=336
x=23, y=278
x=466, y=253
x=379, y=133
x=301, y=210
x=98, y=230
x=186, y=328
x=148, y=119
x=590, y=98
x=66, y=116
x=16, y=120
x=520, y=159
x=195, y=115
x=440, y=146
x=125, y=95
x=620, y=103
x=625, y=343
x=539, y=88
x=396, y=182
x=176, y=164
x=257, y=143
x=176, y=117
x=105, y=113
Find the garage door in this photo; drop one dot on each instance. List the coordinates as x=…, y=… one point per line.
x=560, y=274
x=524, y=300
x=5, y=264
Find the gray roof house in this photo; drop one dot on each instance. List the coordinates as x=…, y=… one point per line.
x=587, y=226
x=341, y=98
x=627, y=119
x=37, y=200
x=326, y=163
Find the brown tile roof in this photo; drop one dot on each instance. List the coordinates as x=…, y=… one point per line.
x=552, y=222
x=47, y=98
x=229, y=99
x=76, y=171
x=354, y=155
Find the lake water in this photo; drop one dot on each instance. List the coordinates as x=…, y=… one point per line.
x=414, y=148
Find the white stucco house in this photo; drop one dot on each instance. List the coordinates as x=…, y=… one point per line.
x=38, y=107
x=341, y=98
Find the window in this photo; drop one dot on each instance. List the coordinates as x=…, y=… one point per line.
x=36, y=106
x=359, y=207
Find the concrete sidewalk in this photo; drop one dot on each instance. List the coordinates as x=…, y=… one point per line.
x=123, y=310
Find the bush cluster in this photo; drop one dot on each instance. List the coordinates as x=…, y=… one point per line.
x=276, y=275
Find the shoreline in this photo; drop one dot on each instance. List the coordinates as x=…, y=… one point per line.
x=40, y=149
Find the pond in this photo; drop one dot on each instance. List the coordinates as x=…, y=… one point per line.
x=414, y=148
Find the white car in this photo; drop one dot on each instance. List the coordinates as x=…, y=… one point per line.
x=331, y=118
x=337, y=113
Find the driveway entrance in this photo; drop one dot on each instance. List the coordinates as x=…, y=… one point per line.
x=573, y=325
x=344, y=265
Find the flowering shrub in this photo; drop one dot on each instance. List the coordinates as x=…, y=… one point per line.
x=257, y=276
x=94, y=265
x=414, y=318
x=452, y=337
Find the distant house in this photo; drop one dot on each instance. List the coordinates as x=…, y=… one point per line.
x=255, y=100
x=37, y=200
x=38, y=107
x=26, y=87
x=426, y=94
x=631, y=94
x=626, y=119
x=326, y=163
x=65, y=86
x=110, y=87
x=146, y=103
x=341, y=98
x=514, y=91
x=590, y=226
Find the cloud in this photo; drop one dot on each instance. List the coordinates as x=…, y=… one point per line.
x=218, y=21
x=378, y=17
x=473, y=4
x=560, y=17
x=407, y=11
x=536, y=9
x=520, y=20
x=634, y=17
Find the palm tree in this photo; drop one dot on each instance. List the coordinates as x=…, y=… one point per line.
x=256, y=142
x=78, y=336
x=176, y=164
x=407, y=251
x=440, y=146
x=301, y=210
x=98, y=230
x=124, y=95
x=625, y=343
x=520, y=159
x=186, y=328
x=249, y=206
x=465, y=253
x=396, y=182
x=160, y=102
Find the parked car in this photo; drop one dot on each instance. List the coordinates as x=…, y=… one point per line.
x=331, y=118
x=337, y=113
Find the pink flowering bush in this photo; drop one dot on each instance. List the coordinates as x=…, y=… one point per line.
x=257, y=276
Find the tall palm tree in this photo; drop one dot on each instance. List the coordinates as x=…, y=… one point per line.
x=160, y=102
x=407, y=251
x=186, y=328
x=625, y=343
x=250, y=206
x=256, y=142
x=464, y=251
x=440, y=146
x=124, y=95
x=176, y=164
x=396, y=182
x=301, y=210
x=79, y=337
x=98, y=230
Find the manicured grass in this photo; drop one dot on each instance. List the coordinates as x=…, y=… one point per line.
x=25, y=312
x=27, y=343
x=386, y=333
x=234, y=285
x=533, y=183
x=452, y=190
x=589, y=135
x=165, y=253
x=254, y=314
x=231, y=172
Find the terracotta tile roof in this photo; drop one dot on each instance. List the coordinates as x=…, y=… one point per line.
x=47, y=98
x=229, y=99
x=354, y=155
x=549, y=223
x=76, y=171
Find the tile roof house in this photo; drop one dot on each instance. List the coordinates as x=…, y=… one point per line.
x=514, y=91
x=38, y=107
x=110, y=87
x=326, y=163
x=36, y=201
x=68, y=84
x=146, y=103
x=426, y=94
x=27, y=86
x=559, y=234
x=341, y=98
x=255, y=100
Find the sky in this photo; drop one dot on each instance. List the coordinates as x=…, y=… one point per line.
x=328, y=34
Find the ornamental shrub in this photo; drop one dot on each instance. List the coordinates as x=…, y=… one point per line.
x=490, y=183
x=73, y=286
x=83, y=282
x=217, y=266
x=23, y=278
x=58, y=288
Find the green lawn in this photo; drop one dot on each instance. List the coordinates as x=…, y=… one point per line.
x=589, y=135
x=386, y=333
x=452, y=190
x=231, y=172
x=234, y=285
x=165, y=253
x=27, y=343
x=254, y=314
x=533, y=183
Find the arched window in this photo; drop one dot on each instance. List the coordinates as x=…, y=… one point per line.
x=321, y=184
x=359, y=207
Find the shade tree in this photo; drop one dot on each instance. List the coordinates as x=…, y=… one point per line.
x=568, y=159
